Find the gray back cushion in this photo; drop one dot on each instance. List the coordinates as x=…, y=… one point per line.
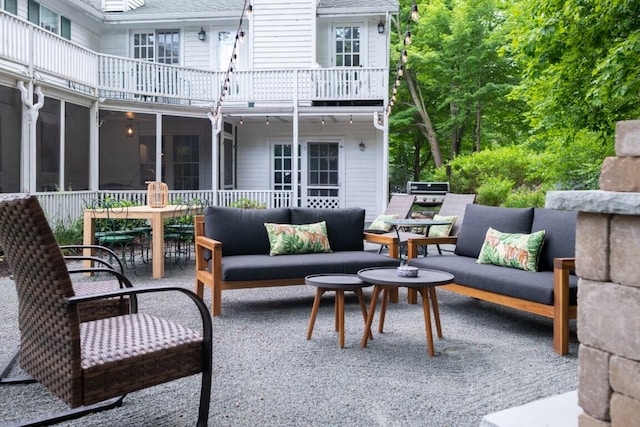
x=560, y=236
x=345, y=227
x=478, y=219
x=242, y=231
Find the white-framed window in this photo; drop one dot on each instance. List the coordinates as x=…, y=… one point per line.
x=347, y=45
x=45, y=18
x=11, y=6
x=161, y=46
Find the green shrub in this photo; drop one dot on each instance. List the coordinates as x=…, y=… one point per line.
x=494, y=191
x=247, y=204
x=525, y=198
x=68, y=234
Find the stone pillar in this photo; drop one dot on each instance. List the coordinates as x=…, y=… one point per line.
x=608, y=267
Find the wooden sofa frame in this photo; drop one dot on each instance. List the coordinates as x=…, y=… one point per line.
x=213, y=279
x=560, y=312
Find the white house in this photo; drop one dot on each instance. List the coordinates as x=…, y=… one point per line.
x=215, y=98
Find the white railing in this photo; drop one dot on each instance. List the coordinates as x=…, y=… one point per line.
x=60, y=62
x=65, y=207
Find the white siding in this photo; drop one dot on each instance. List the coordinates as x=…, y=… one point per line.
x=283, y=34
x=363, y=176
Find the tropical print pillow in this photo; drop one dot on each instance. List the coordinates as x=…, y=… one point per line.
x=442, y=230
x=512, y=249
x=380, y=224
x=287, y=239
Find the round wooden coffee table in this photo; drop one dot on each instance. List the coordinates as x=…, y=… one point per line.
x=387, y=278
x=338, y=283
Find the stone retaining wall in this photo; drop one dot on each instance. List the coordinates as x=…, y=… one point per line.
x=608, y=267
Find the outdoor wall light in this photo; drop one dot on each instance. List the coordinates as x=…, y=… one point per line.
x=361, y=146
x=129, y=130
x=202, y=34
x=380, y=27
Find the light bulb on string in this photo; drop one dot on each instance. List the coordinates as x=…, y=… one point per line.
x=350, y=120
x=407, y=37
x=400, y=71
x=267, y=122
x=250, y=11
x=322, y=120
x=414, y=12
x=405, y=56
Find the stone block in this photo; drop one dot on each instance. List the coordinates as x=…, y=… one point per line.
x=625, y=411
x=608, y=317
x=585, y=420
x=624, y=247
x=592, y=246
x=594, y=392
x=628, y=138
x=620, y=174
x=624, y=376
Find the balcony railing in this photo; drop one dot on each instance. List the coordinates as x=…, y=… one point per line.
x=58, y=61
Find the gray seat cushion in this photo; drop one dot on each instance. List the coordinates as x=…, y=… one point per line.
x=560, y=237
x=527, y=285
x=265, y=267
x=478, y=219
x=345, y=227
x=242, y=231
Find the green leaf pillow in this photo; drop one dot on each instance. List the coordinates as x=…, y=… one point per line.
x=380, y=224
x=514, y=250
x=442, y=230
x=287, y=239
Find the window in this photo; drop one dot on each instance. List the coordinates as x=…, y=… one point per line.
x=186, y=168
x=11, y=6
x=347, y=46
x=323, y=169
x=161, y=46
x=47, y=19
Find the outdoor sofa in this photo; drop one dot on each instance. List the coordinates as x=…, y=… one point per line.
x=550, y=291
x=233, y=248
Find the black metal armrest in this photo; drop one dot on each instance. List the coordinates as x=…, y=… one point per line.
x=98, y=248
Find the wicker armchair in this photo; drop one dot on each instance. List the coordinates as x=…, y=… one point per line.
x=91, y=365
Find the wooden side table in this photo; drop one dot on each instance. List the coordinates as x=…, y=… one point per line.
x=338, y=283
x=386, y=279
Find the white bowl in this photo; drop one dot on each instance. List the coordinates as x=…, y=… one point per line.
x=407, y=271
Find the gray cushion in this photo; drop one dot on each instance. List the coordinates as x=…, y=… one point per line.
x=560, y=238
x=478, y=219
x=345, y=227
x=242, y=231
x=527, y=285
x=265, y=267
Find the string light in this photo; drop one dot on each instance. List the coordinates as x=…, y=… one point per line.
x=267, y=122
x=414, y=12
x=241, y=121
x=350, y=120
x=404, y=56
x=322, y=120
x=248, y=11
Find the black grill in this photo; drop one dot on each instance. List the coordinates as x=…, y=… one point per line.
x=428, y=194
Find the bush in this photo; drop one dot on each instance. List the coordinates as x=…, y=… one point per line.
x=525, y=198
x=68, y=234
x=247, y=204
x=494, y=191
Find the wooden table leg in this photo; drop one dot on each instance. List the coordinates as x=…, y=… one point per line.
x=383, y=308
x=436, y=311
x=363, y=308
x=340, y=299
x=424, y=292
x=314, y=311
x=372, y=310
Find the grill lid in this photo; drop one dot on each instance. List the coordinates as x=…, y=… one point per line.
x=416, y=187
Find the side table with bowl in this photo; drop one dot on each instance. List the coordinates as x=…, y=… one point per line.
x=423, y=281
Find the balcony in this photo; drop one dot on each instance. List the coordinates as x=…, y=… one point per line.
x=58, y=62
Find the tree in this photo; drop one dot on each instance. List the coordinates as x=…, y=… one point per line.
x=580, y=64
x=453, y=92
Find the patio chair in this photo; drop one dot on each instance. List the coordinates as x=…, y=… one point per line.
x=91, y=365
x=90, y=310
x=453, y=205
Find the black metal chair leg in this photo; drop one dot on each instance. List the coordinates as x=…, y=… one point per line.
x=4, y=376
x=72, y=414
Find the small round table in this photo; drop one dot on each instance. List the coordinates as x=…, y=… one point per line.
x=338, y=283
x=386, y=278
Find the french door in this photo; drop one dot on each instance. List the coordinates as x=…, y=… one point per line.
x=320, y=172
